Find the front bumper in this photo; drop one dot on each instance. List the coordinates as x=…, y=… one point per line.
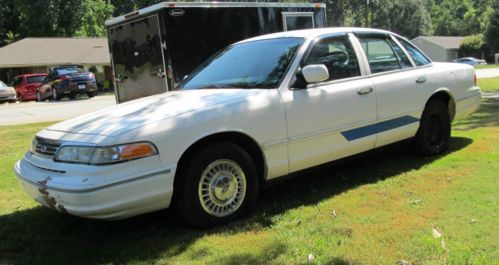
x=101, y=192
x=4, y=97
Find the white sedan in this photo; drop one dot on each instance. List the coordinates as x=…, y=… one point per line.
x=256, y=111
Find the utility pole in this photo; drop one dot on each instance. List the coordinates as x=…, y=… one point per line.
x=367, y=13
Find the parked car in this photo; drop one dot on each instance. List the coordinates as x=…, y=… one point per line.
x=256, y=111
x=470, y=61
x=27, y=86
x=7, y=93
x=68, y=82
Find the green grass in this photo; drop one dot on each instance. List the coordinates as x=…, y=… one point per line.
x=387, y=203
x=489, y=84
x=482, y=66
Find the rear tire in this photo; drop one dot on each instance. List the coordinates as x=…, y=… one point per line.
x=219, y=185
x=434, y=130
x=91, y=94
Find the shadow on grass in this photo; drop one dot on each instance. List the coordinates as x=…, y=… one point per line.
x=43, y=236
x=486, y=116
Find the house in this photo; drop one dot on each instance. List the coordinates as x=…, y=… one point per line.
x=439, y=48
x=39, y=55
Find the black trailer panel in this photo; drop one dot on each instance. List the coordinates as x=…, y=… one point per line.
x=155, y=48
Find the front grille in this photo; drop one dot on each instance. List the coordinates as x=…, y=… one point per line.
x=46, y=147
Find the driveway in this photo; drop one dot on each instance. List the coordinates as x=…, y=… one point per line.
x=487, y=72
x=31, y=112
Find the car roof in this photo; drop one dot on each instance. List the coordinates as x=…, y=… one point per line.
x=30, y=75
x=313, y=33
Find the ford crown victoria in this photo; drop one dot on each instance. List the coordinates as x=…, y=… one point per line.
x=258, y=110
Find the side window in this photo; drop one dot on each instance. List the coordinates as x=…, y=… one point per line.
x=380, y=54
x=337, y=54
x=416, y=55
x=401, y=57
x=298, y=20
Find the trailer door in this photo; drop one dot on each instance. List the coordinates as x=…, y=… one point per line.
x=138, y=59
x=297, y=20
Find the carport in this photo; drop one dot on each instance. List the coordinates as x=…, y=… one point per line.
x=38, y=55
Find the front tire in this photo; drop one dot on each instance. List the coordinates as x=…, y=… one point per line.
x=219, y=185
x=434, y=130
x=55, y=95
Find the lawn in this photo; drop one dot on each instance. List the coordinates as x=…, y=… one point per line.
x=482, y=66
x=389, y=205
x=489, y=84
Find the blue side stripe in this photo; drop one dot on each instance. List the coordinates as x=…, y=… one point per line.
x=387, y=125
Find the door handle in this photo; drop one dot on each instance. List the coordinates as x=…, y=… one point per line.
x=364, y=91
x=420, y=80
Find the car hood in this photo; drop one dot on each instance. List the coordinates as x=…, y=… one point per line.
x=124, y=117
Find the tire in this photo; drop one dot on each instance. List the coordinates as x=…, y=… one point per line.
x=231, y=172
x=434, y=130
x=55, y=96
x=72, y=96
x=91, y=94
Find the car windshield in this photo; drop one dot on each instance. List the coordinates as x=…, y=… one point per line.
x=256, y=64
x=35, y=79
x=67, y=71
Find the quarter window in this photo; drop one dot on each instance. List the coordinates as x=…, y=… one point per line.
x=416, y=55
x=401, y=57
x=337, y=54
x=380, y=54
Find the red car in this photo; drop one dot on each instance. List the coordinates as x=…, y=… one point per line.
x=26, y=86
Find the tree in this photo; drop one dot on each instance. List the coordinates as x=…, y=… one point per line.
x=409, y=18
x=492, y=32
x=473, y=43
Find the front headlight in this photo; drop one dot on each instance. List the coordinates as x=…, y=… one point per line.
x=104, y=155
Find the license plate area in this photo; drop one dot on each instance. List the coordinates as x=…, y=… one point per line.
x=82, y=86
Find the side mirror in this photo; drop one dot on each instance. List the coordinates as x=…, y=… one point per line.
x=315, y=73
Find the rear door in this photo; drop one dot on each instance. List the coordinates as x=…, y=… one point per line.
x=138, y=59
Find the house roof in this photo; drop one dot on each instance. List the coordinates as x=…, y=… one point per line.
x=446, y=42
x=32, y=52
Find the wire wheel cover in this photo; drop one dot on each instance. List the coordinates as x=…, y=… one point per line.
x=222, y=188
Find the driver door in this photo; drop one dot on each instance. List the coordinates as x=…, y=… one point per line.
x=330, y=119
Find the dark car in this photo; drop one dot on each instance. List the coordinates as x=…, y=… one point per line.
x=27, y=86
x=69, y=82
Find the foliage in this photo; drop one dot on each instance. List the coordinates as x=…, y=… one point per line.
x=473, y=43
x=492, y=32
x=52, y=18
x=460, y=17
x=406, y=17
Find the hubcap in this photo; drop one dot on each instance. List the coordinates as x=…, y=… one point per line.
x=434, y=132
x=222, y=188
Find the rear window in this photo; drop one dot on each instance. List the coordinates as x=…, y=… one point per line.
x=67, y=71
x=418, y=56
x=35, y=79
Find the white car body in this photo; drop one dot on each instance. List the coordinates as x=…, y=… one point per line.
x=293, y=130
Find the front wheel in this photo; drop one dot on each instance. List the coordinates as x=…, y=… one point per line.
x=218, y=186
x=55, y=95
x=434, y=130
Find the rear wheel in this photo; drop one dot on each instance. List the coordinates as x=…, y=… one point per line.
x=91, y=94
x=434, y=130
x=219, y=185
